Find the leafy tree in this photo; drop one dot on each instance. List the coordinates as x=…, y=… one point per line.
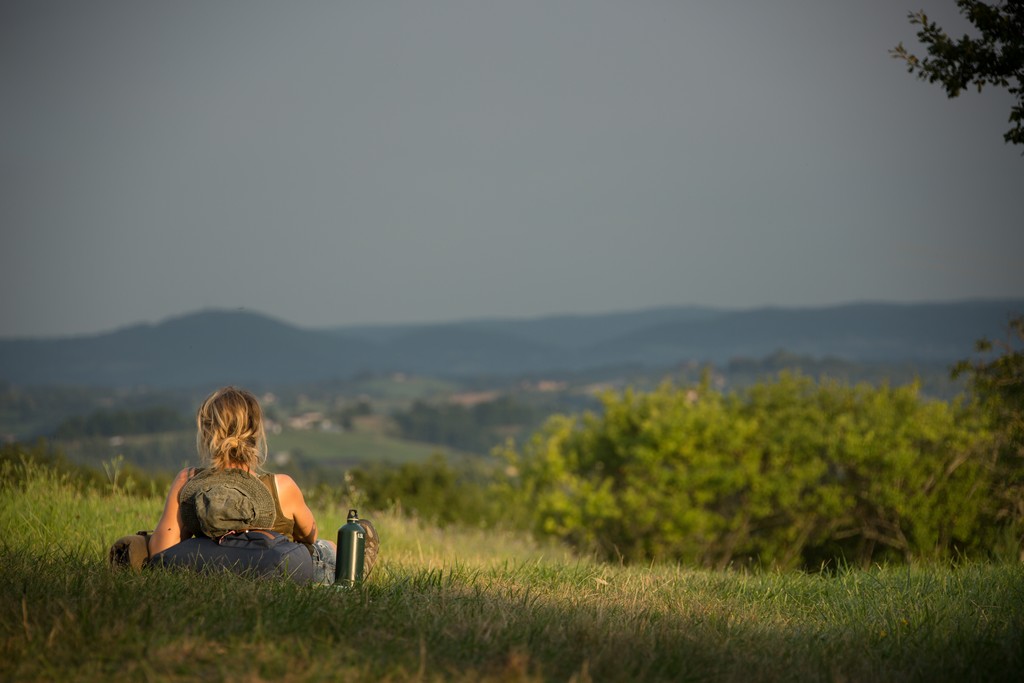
x=996, y=377
x=994, y=57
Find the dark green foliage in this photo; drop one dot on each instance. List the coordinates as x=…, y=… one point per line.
x=123, y=422
x=435, y=490
x=996, y=377
x=362, y=408
x=474, y=429
x=994, y=57
x=787, y=473
x=27, y=412
x=164, y=453
x=933, y=377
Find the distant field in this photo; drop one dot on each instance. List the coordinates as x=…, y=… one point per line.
x=403, y=388
x=170, y=451
x=349, y=447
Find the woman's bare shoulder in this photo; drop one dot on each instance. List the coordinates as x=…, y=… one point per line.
x=285, y=483
x=180, y=478
x=287, y=489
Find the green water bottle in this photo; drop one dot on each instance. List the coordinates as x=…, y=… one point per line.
x=348, y=570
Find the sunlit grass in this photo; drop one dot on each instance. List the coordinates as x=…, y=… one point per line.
x=471, y=605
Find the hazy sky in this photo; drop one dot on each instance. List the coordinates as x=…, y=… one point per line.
x=335, y=163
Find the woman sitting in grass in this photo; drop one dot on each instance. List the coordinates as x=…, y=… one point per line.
x=254, y=518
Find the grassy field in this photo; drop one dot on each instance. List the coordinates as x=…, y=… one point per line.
x=351, y=447
x=474, y=605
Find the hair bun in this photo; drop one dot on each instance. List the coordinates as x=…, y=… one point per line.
x=230, y=443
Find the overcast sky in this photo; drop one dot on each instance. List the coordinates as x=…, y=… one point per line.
x=353, y=162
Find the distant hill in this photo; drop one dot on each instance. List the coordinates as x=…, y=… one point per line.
x=206, y=348
x=217, y=347
x=557, y=331
x=857, y=332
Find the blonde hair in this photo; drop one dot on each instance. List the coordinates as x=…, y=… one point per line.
x=229, y=430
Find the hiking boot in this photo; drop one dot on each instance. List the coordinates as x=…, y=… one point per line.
x=371, y=546
x=130, y=551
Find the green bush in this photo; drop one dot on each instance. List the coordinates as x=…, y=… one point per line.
x=787, y=473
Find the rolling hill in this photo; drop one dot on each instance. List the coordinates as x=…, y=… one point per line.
x=216, y=347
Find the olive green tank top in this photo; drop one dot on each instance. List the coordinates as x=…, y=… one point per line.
x=282, y=524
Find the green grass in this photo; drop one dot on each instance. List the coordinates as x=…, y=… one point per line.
x=474, y=605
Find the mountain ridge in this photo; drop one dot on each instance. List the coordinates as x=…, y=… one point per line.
x=214, y=346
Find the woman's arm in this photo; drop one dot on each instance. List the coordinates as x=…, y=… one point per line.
x=168, y=529
x=294, y=505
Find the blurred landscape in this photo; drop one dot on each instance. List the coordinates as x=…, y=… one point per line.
x=345, y=396
x=215, y=347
